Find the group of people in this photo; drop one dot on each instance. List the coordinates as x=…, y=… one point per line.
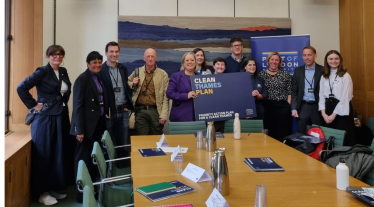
x=104, y=95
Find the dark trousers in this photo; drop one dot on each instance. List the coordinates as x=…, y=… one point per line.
x=147, y=122
x=347, y=124
x=84, y=149
x=308, y=115
x=277, y=119
x=118, y=128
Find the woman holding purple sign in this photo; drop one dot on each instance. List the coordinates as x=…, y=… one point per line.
x=277, y=116
x=180, y=90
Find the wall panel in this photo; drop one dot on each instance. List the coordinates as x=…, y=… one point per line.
x=25, y=54
x=356, y=32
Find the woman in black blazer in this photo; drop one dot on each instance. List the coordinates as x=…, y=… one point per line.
x=89, y=111
x=50, y=157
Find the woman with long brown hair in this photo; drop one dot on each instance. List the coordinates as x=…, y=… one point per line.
x=335, y=95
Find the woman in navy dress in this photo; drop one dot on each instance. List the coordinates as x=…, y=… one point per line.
x=258, y=85
x=50, y=158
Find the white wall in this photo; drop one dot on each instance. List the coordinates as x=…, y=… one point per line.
x=86, y=25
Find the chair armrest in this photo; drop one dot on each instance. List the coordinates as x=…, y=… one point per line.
x=116, y=177
x=113, y=160
x=121, y=146
x=127, y=205
x=103, y=182
x=118, y=159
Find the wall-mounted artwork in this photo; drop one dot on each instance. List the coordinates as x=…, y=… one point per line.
x=171, y=37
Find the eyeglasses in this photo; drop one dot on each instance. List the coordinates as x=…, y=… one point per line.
x=57, y=54
x=236, y=45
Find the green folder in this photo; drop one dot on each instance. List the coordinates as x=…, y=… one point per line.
x=154, y=188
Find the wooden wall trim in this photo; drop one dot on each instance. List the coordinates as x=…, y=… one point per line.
x=26, y=53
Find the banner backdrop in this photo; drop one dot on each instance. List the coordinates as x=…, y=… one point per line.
x=289, y=47
x=220, y=96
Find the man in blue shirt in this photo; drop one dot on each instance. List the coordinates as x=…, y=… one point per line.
x=114, y=76
x=305, y=91
x=234, y=61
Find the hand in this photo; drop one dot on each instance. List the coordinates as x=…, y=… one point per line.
x=331, y=117
x=126, y=109
x=325, y=117
x=38, y=106
x=255, y=93
x=192, y=94
x=106, y=116
x=248, y=117
x=162, y=121
x=80, y=137
x=135, y=81
x=295, y=114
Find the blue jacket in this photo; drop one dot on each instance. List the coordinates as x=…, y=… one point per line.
x=47, y=88
x=258, y=83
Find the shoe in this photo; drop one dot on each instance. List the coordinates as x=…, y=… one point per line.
x=57, y=195
x=47, y=200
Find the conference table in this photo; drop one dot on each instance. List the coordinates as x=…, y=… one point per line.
x=305, y=181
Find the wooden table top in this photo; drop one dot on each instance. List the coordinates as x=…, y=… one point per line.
x=305, y=181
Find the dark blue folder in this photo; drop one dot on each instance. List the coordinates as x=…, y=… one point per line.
x=263, y=164
x=151, y=152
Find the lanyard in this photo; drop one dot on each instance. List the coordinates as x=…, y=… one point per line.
x=311, y=84
x=116, y=81
x=147, y=84
x=332, y=84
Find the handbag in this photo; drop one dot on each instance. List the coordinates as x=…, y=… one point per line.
x=32, y=113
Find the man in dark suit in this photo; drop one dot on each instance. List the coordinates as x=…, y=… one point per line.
x=114, y=76
x=305, y=91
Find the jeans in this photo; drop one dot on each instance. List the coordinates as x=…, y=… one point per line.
x=118, y=128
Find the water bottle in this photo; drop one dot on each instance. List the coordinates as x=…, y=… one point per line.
x=210, y=138
x=236, y=126
x=220, y=172
x=342, y=175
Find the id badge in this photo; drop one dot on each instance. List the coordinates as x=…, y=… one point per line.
x=331, y=96
x=311, y=90
x=144, y=93
x=117, y=89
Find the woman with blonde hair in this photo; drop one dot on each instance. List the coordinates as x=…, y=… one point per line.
x=277, y=116
x=180, y=90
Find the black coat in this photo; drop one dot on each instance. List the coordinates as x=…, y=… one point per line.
x=298, y=85
x=86, y=105
x=105, y=77
x=48, y=89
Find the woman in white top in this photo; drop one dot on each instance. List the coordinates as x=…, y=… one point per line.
x=335, y=95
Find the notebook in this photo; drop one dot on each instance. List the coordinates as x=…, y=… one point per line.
x=154, y=188
x=262, y=164
x=360, y=193
x=180, y=189
x=151, y=152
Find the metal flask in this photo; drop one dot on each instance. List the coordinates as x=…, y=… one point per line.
x=220, y=172
x=210, y=139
